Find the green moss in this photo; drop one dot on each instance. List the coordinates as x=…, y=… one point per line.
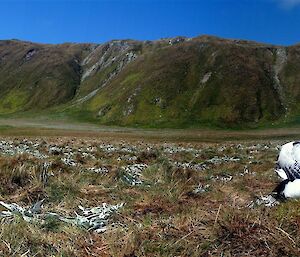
x=14, y=101
x=131, y=79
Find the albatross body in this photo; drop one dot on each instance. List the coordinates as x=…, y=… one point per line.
x=288, y=168
x=292, y=189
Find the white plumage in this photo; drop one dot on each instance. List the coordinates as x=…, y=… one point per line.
x=281, y=174
x=292, y=189
x=288, y=168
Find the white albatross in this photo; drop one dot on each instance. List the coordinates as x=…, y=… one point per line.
x=288, y=168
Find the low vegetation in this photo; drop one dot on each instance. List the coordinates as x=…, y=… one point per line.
x=180, y=199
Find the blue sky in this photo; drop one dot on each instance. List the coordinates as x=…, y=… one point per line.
x=57, y=21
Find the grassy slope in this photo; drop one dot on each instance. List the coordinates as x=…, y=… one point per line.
x=48, y=77
x=203, y=82
x=163, y=88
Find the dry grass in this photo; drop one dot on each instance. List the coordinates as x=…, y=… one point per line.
x=164, y=216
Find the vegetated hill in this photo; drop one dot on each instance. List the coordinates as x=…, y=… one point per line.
x=177, y=82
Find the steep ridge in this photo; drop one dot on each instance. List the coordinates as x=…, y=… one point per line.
x=191, y=82
x=36, y=76
x=103, y=64
x=174, y=82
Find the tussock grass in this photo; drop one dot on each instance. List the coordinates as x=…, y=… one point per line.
x=19, y=173
x=164, y=216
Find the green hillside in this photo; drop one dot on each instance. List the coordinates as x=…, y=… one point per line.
x=178, y=82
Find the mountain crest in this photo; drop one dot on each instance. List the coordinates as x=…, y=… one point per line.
x=171, y=82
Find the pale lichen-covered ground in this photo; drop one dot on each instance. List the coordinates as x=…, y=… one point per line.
x=176, y=199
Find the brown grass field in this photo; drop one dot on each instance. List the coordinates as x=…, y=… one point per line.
x=191, y=198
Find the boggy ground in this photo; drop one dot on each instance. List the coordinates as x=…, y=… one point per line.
x=180, y=199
